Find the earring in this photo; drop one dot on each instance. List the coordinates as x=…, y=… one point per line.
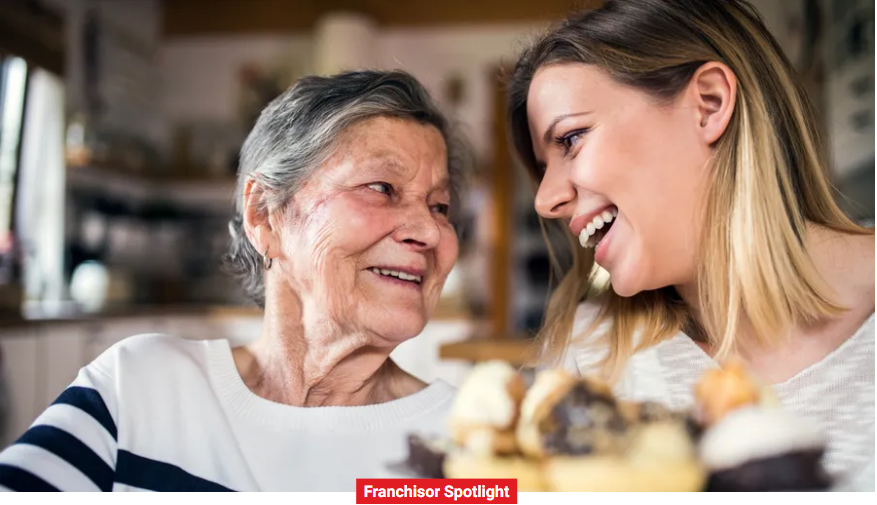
x=266, y=261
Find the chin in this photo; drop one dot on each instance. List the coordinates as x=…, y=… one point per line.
x=624, y=291
x=630, y=273
x=400, y=328
x=625, y=286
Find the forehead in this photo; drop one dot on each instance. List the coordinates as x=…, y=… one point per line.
x=559, y=89
x=403, y=137
x=400, y=145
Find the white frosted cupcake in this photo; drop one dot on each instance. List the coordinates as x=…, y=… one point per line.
x=763, y=449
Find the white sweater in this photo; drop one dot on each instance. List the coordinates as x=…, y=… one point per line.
x=161, y=413
x=836, y=394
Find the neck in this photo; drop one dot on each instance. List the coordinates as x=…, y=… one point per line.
x=307, y=362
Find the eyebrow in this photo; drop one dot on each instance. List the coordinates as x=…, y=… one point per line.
x=442, y=185
x=389, y=161
x=385, y=161
x=549, y=132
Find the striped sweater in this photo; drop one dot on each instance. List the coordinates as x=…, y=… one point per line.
x=159, y=413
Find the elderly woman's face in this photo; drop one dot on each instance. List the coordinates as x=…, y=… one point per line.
x=367, y=242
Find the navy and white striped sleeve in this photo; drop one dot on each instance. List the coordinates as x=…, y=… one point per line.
x=72, y=445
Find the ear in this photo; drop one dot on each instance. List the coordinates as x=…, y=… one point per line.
x=257, y=220
x=714, y=86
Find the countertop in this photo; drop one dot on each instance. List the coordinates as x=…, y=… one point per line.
x=71, y=315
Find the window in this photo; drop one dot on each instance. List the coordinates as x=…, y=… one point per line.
x=13, y=86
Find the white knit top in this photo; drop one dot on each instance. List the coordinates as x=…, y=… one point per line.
x=836, y=393
x=159, y=413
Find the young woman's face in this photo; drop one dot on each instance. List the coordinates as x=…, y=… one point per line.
x=626, y=173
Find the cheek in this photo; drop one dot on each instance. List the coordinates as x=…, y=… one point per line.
x=343, y=228
x=659, y=191
x=650, y=166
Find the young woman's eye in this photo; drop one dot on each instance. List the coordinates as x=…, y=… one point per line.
x=381, y=187
x=568, y=141
x=442, y=208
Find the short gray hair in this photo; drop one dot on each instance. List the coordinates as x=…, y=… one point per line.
x=298, y=131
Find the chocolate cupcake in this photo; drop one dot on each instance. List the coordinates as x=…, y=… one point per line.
x=647, y=412
x=564, y=415
x=588, y=441
x=763, y=449
x=583, y=422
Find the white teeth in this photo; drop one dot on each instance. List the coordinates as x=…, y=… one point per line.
x=586, y=237
x=394, y=273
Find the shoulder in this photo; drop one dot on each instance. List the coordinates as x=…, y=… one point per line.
x=867, y=270
x=587, y=348
x=153, y=355
x=859, y=266
x=587, y=314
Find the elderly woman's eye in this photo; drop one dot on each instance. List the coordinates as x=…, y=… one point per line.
x=381, y=187
x=442, y=208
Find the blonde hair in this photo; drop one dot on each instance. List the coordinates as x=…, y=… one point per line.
x=768, y=177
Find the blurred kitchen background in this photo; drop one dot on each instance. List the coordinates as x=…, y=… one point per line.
x=120, y=123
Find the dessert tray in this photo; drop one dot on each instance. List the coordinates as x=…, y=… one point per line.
x=566, y=433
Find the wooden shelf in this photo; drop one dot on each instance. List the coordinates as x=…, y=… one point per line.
x=213, y=193
x=516, y=351
x=90, y=173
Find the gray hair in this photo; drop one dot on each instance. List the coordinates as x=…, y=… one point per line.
x=299, y=130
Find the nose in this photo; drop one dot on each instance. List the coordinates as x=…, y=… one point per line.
x=556, y=195
x=419, y=228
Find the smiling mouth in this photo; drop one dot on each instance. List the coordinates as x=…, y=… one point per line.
x=597, y=228
x=395, y=274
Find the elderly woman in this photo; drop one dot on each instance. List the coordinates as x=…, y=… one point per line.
x=344, y=236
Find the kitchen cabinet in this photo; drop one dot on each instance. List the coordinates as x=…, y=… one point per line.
x=20, y=374
x=61, y=352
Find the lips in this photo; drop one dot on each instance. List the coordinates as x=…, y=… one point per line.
x=412, y=275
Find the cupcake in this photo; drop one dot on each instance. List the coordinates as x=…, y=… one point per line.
x=467, y=465
x=483, y=420
x=722, y=390
x=660, y=457
x=648, y=412
x=486, y=409
x=750, y=443
x=763, y=449
x=587, y=441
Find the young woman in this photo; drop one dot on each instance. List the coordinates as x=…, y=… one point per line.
x=672, y=139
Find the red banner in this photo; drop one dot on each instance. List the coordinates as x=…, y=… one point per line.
x=389, y=491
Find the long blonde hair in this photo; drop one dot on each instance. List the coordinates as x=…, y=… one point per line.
x=769, y=176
